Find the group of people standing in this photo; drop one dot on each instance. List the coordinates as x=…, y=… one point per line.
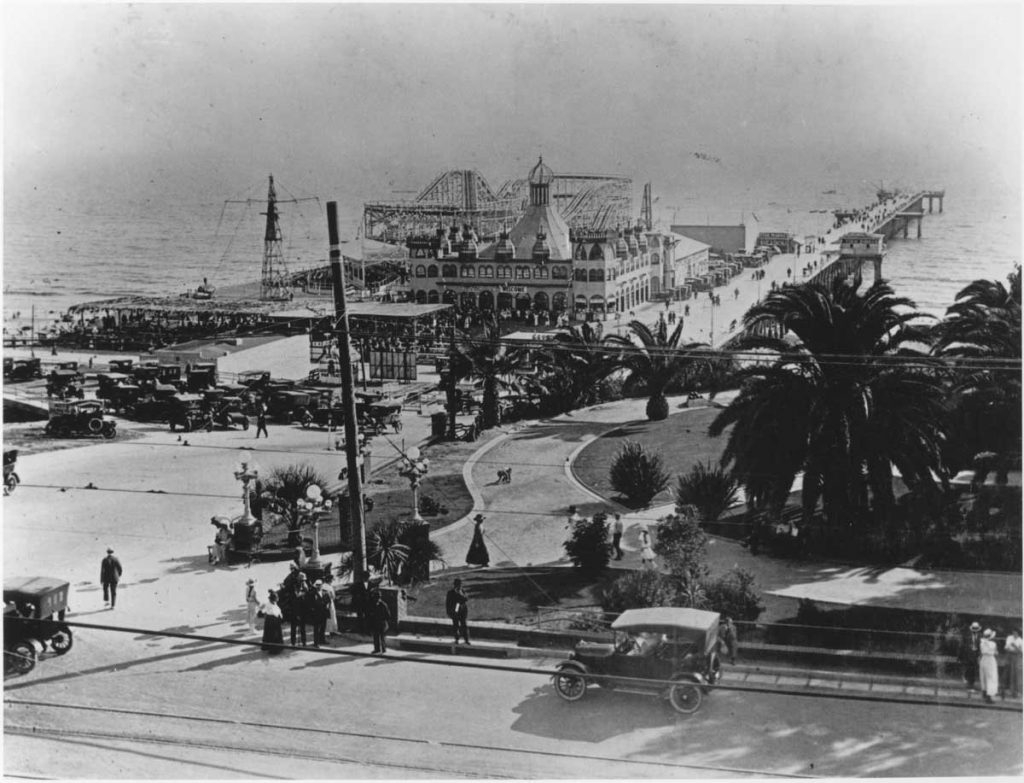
x=994, y=669
x=298, y=604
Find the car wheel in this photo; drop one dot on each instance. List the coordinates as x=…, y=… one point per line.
x=569, y=684
x=109, y=430
x=685, y=697
x=22, y=657
x=10, y=484
x=61, y=641
x=95, y=425
x=714, y=669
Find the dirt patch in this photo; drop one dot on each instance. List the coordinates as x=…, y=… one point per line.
x=681, y=441
x=28, y=438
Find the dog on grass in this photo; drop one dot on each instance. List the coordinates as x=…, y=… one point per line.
x=505, y=476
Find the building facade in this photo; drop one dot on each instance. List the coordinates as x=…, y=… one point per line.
x=541, y=265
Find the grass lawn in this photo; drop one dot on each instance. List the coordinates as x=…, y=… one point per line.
x=681, y=441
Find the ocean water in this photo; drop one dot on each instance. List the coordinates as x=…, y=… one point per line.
x=57, y=255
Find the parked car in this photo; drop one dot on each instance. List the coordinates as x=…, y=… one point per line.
x=79, y=417
x=663, y=651
x=30, y=606
x=202, y=375
x=187, y=411
x=11, y=478
x=121, y=365
x=290, y=405
x=23, y=369
x=228, y=412
x=65, y=383
x=155, y=405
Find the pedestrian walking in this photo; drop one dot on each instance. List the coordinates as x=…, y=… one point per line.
x=617, y=536
x=110, y=575
x=478, y=554
x=297, y=608
x=987, y=668
x=728, y=638
x=252, y=604
x=273, y=637
x=1014, y=648
x=380, y=620
x=970, y=652
x=456, y=604
x=647, y=558
x=261, y=421
x=318, y=612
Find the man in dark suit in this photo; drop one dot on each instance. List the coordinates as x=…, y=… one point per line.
x=380, y=619
x=110, y=575
x=456, y=605
x=298, y=599
x=970, y=654
x=361, y=601
x=319, y=611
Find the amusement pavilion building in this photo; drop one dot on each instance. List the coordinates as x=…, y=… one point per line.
x=543, y=265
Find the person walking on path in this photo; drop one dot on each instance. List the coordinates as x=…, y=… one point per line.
x=647, y=557
x=110, y=575
x=261, y=421
x=617, y=536
x=987, y=667
x=456, y=605
x=380, y=620
x=970, y=652
x=297, y=608
x=478, y=554
x=273, y=636
x=252, y=604
x=1014, y=648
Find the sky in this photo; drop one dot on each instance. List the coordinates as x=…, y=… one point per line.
x=356, y=102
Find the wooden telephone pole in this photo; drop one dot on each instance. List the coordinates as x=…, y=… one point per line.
x=348, y=398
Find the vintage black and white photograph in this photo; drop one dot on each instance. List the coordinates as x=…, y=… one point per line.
x=534, y=391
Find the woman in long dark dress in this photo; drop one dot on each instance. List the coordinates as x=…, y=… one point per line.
x=478, y=554
x=273, y=637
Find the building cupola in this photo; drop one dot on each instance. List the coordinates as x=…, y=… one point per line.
x=468, y=250
x=621, y=248
x=641, y=237
x=540, y=182
x=444, y=247
x=631, y=243
x=504, y=250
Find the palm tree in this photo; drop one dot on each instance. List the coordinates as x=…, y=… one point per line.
x=491, y=361
x=574, y=364
x=847, y=395
x=983, y=326
x=657, y=359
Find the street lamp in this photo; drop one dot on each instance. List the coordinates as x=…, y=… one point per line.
x=248, y=471
x=416, y=468
x=309, y=509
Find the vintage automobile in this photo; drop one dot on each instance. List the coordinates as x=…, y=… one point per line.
x=663, y=651
x=23, y=369
x=202, y=375
x=378, y=417
x=79, y=417
x=154, y=405
x=30, y=605
x=65, y=383
x=291, y=405
x=229, y=412
x=11, y=479
x=187, y=411
x=123, y=366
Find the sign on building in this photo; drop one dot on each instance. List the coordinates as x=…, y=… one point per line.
x=393, y=365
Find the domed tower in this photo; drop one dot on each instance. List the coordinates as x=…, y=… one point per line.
x=540, y=184
x=444, y=247
x=468, y=250
x=504, y=250
x=541, y=249
x=631, y=243
x=641, y=237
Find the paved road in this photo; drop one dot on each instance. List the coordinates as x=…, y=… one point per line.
x=305, y=715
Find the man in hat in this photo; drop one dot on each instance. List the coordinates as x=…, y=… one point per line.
x=380, y=620
x=970, y=653
x=252, y=604
x=617, y=529
x=988, y=667
x=456, y=604
x=110, y=575
x=318, y=612
x=297, y=606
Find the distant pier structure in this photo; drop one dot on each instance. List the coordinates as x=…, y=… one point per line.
x=910, y=210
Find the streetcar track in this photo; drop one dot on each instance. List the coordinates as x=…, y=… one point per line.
x=447, y=744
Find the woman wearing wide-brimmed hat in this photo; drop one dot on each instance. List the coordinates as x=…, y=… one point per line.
x=478, y=554
x=987, y=667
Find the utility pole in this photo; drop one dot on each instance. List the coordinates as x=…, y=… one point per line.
x=348, y=397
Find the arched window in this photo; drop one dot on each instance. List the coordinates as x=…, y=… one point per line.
x=581, y=253
x=432, y=270
x=596, y=275
x=596, y=253
x=504, y=271
x=487, y=271
x=523, y=273
x=580, y=275
x=540, y=272
x=559, y=273
x=421, y=297
x=655, y=258
x=558, y=301
x=468, y=271
x=433, y=297
x=449, y=270
x=421, y=271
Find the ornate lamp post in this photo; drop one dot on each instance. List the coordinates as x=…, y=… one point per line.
x=247, y=472
x=416, y=468
x=309, y=510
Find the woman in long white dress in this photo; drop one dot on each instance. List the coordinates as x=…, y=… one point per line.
x=646, y=552
x=987, y=667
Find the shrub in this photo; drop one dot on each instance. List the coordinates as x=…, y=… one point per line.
x=637, y=475
x=682, y=546
x=657, y=408
x=421, y=551
x=385, y=551
x=638, y=589
x=734, y=595
x=588, y=545
x=710, y=489
x=430, y=507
